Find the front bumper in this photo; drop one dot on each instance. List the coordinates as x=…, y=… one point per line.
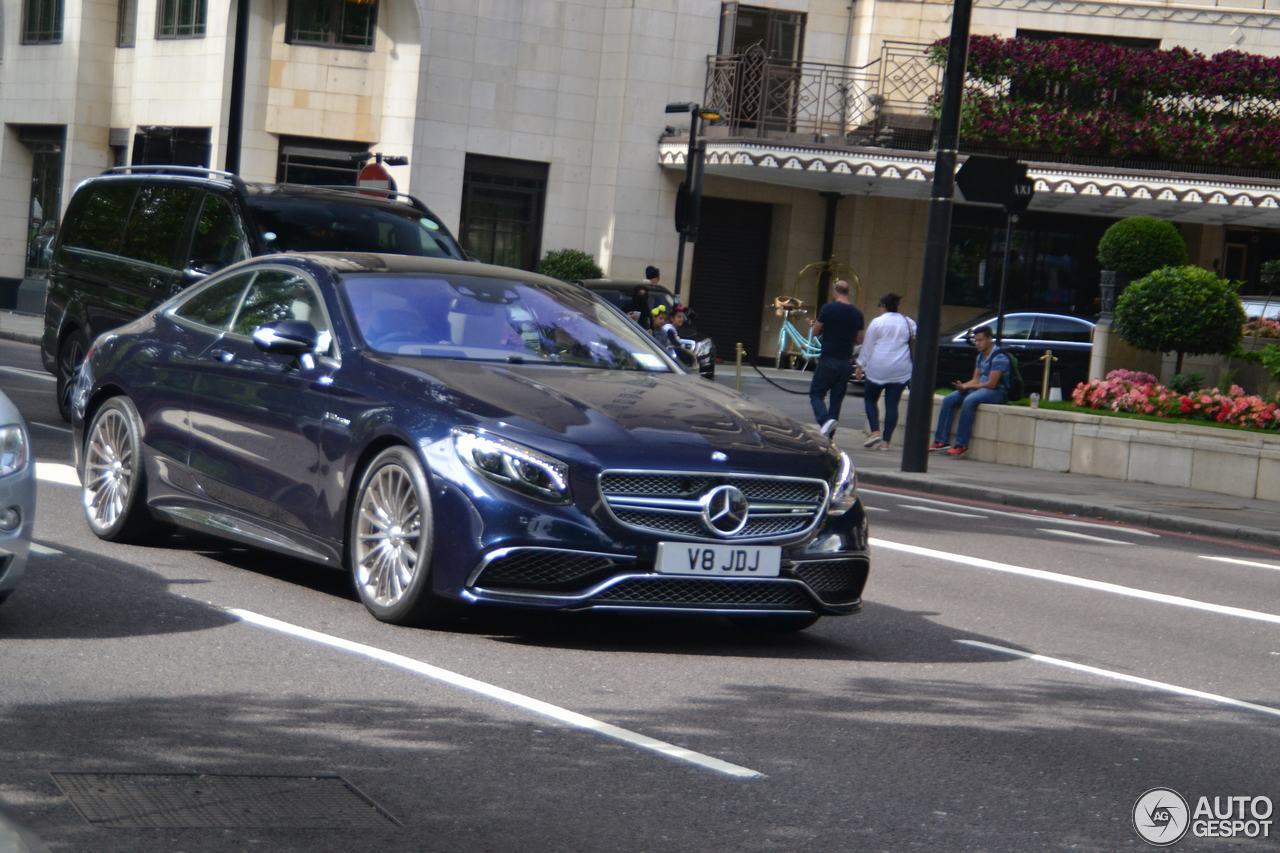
x=825, y=575
x=17, y=490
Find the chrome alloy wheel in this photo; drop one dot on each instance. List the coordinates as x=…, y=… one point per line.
x=389, y=536
x=108, y=470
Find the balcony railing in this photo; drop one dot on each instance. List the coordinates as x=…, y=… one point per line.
x=890, y=103
x=886, y=102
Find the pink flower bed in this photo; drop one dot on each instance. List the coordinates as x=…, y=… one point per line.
x=1262, y=328
x=1133, y=391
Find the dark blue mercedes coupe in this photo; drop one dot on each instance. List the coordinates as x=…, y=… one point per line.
x=459, y=434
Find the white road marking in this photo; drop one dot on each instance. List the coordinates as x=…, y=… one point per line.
x=501, y=694
x=1237, y=562
x=1131, y=679
x=1071, y=522
x=875, y=508
x=1043, y=519
x=67, y=430
x=57, y=472
x=1072, y=580
x=44, y=550
x=934, y=509
x=31, y=374
x=1085, y=536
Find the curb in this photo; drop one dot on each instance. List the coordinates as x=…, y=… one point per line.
x=21, y=337
x=7, y=321
x=1049, y=503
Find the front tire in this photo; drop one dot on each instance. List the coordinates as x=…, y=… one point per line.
x=115, y=489
x=390, y=538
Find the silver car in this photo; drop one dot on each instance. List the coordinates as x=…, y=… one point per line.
x=17, y=495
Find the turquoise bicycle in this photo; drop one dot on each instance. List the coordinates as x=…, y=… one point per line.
x=793, y=345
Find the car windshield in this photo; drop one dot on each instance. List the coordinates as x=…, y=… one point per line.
x=324, y=224
x=495, y=319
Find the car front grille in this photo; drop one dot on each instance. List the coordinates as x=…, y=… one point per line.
x=670, y=503
x=700, y=592
x=544, y=569
x=834, y=581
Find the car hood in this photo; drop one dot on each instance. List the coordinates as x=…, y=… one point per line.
x=660, y=419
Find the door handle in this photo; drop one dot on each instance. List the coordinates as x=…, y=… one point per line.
x=225, y=356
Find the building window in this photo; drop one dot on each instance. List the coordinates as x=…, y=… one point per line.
x=180, y=19
x=502, y=206
x=46, y=143
x=333, y=23
x=42, y=22
x=320, y=162
x=171, y=146
x=126, y=22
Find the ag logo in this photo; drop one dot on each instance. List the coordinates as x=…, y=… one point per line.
x=1161, y=817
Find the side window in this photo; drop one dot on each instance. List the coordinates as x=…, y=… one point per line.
x=1017, y=327
x=1063, y=329
x=219, y=241
x=281, y=295
x=97, y=221
x=213, y=306
x=158, y=225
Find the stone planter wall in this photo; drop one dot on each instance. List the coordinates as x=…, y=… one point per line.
x=1230, y=462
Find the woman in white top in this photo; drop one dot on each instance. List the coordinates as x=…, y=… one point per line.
x=885, y=362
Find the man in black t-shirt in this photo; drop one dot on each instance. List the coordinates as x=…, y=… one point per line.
x=840, y=325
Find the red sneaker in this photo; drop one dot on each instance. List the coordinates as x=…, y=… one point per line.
x=939, y=445
x=958, y=450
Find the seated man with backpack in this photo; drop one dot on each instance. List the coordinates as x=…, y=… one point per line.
x=994, y=374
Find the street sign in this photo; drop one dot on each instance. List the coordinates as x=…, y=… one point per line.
x=991, y=180
x=1022, y=191
x=375, y=176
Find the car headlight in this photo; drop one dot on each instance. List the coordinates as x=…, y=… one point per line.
x=13, y=449
x=844, y=490
x=515, y=466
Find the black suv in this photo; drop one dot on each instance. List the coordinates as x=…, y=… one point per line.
x=136, y=235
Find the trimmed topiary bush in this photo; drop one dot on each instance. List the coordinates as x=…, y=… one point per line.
x=1182, y=309
x=569, y=265
x=1137, y=245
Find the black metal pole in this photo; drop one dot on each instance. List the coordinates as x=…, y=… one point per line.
x=1009, y=220
x=235, y=115
x=915, y=452
x=689, y=157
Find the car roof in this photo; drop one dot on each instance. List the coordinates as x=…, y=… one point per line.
x=257, y=190
x=357, y=263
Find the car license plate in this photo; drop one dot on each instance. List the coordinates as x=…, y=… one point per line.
x=680, y=558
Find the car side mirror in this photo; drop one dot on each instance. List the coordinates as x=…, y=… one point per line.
x=287, y=337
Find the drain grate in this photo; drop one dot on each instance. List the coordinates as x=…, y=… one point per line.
x=196, y=800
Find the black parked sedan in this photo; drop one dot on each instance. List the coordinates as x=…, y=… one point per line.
x=459, y=434
x=1027, y=334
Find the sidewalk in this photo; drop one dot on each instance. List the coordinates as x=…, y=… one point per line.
x=21, y=327
x=1162, y=507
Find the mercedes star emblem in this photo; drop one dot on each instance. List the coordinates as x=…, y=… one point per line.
x=725, y=510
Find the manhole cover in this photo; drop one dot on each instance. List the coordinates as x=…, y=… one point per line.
x=216, y=801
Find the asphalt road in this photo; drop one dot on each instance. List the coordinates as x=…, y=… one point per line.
x=1015, y=682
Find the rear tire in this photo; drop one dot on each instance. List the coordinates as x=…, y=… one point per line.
x=70, y=353
x=114, y=495
x=390, y=539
